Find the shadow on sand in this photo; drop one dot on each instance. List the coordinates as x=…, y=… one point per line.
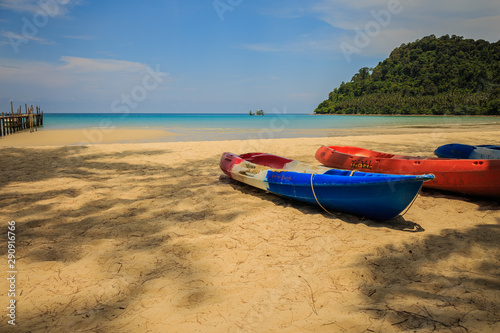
x=135, y=207
x=143, y=210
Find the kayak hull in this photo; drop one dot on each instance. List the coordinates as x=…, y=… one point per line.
x=457, y=150
x=375, y=196
x=465, y=176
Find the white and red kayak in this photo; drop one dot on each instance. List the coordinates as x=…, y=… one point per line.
x=376, y=196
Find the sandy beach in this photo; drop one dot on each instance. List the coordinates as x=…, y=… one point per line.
x=151, y=237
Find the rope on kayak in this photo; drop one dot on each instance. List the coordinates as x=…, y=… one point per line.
x=411, y=204
x=312, y=188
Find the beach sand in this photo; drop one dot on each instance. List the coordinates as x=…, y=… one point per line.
x=152, y=237
x=88, y=136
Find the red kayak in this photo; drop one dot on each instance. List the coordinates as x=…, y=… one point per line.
x=466, y=176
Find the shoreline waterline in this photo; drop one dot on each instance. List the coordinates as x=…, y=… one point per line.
x=127, y=135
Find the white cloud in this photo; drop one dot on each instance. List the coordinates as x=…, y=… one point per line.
x=49, y=7
x=87, y=65
x=17, y=39
x=481, y=28
x=392, y=22
x=20, y=5
x=36, y=14
x=389, y=23
x=460, y=17
x=74, y=78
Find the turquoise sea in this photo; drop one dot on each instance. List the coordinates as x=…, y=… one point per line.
x=276, y=124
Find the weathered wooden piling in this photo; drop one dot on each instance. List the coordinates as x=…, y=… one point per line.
x=14, y=122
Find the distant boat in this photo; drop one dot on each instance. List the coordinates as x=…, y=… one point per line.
x=257, y=113
x=456, y=150
x=375, y=196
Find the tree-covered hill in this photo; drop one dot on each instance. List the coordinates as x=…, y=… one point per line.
x=446, y=75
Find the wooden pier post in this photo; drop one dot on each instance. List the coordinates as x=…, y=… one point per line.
x=30, y=115
x=15, y=121
x=11, y=123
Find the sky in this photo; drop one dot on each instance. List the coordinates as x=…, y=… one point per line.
x=218, y=56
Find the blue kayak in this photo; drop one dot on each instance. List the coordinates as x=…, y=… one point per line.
x=457, y=150
x=373, y=195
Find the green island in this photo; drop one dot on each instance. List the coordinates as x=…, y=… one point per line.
x=431, y=76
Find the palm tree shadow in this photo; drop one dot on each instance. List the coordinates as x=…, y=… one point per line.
x=446, y=276
x=102, y=210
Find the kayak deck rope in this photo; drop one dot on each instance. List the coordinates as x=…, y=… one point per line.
x=315, y=197
x=326, y=210
x=411, y=204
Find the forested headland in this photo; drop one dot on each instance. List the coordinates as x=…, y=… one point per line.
x=432, y=76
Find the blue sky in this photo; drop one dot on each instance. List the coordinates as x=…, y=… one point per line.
x=209, y=55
